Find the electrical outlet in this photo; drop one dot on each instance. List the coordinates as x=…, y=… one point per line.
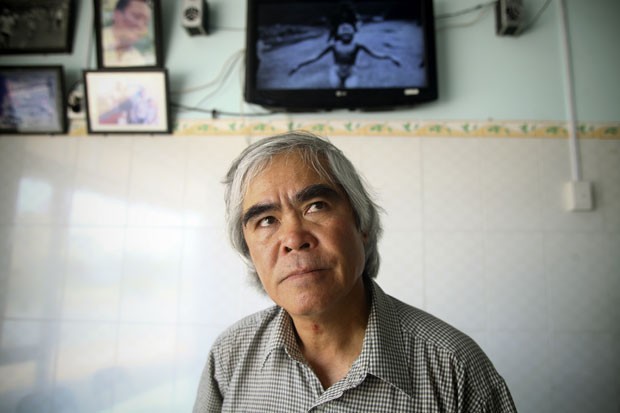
x=75, y=104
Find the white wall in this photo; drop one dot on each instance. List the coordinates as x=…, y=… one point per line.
x=115, y=276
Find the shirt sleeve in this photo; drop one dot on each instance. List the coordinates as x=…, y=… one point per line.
x=209, y=398
x=499, y=401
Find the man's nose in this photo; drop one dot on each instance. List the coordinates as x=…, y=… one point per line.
x=296, y=236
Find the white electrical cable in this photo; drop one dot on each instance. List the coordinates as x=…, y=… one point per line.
x=224, y=73
x=573, y=143
x=483, y=11
x=464, y=11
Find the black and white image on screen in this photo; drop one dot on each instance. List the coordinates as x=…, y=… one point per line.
x=340, y=46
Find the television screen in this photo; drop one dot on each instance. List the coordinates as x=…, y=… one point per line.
x=315, y=54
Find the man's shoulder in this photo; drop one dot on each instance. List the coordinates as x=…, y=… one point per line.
x=433, y=348
x=420, y=328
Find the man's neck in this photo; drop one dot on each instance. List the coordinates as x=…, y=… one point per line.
x=331, y=342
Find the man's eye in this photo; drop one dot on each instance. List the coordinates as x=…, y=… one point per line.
x=316, y=206
x=265, y=222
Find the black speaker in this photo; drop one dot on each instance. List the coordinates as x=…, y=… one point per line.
x=195, y=17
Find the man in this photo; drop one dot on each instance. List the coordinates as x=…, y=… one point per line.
x=304, y=223
x=131, y=22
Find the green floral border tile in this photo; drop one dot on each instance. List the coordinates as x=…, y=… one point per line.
x=395, y=128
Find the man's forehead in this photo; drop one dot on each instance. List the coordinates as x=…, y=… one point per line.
x=292, y=170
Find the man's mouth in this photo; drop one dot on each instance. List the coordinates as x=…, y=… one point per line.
x=302, y=272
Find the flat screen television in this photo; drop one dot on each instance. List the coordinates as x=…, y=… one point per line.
x=312, y=55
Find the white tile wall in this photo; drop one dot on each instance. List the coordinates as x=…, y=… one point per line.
x=116, y=275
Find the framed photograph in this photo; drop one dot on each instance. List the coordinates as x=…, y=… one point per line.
x=128, y=33
x=127, y=101
x=36, y=26
x=32, y=100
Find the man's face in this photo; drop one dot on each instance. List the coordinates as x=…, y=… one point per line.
x=302, y=237
x=132, y=24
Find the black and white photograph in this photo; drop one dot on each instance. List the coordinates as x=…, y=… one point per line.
x=36, y=26
x=308, y=45
x=128, y=33
x=32, y=99
x=127, y=101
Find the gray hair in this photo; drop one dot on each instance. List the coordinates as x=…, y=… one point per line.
x=328, y=161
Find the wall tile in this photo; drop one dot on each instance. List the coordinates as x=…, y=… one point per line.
x=517, y=288
x=46, y=184
x=94, y=273
x=523, y=359
x=211, y=278
x=578, y=267
x=607, y=187
x=402, y=264
x=157, y=183
x=147, y=358
x=109, y=158
x=100, y=197
x=193, y=345
x=151, y=275
x=11, y=161
x=452, y=185
x=456, y=288
x=98, y=202
x=208, y=162
x=26, y=360
x=37, y=266
x=510, y=181
x=614, y=286
x=86, y=355
x=394, y=173
x=584, y=373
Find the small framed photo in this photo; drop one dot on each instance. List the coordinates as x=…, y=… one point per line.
x=32, y=100
x=128, y=33
x=35, y=26
x=127, y=101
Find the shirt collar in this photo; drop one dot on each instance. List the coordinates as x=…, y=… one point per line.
x=283, y=337
x=383, y=353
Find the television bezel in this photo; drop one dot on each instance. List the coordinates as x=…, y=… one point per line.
x=300, y=100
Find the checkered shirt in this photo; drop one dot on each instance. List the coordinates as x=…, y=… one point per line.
x=410, y=362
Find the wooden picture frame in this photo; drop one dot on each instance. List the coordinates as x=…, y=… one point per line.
x=127, y=101
x=36, y=26
x=32, y=100
x=128, y=33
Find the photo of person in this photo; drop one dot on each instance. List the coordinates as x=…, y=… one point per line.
x=134, y=107
x=127, y=35
x=127, y=101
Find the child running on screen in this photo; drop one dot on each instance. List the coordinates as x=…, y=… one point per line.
x=345, y=51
